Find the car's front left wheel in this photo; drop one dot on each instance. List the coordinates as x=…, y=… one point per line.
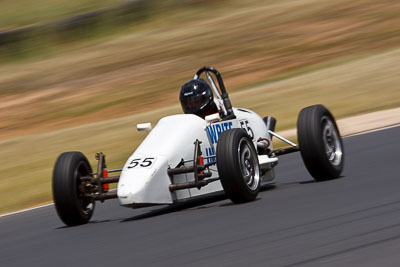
x=238, y=166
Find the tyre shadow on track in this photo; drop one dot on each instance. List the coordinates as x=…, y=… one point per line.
x=307, y=182
x=267, y=187
x=312, y=181
x=263, y=188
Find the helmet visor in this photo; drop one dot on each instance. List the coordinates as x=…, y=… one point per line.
x=194, y=102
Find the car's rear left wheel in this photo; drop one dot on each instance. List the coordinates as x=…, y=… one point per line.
x=321, y=146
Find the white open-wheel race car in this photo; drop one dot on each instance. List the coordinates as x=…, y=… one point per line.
x=187, y=156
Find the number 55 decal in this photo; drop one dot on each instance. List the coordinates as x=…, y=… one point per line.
x=146, y=162
x=245, y=125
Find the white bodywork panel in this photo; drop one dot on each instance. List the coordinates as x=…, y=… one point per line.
x=144, y=179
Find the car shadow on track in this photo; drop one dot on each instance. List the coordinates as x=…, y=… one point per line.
x=193, y=203
x=89, y=223
x=198, y=203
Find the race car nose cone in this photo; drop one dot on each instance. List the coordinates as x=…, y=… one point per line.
x=144, y=185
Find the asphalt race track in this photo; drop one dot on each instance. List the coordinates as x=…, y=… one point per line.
x=350, y=221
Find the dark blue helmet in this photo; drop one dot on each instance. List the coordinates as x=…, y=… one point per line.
x=197, y=98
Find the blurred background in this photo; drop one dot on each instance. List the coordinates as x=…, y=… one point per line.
x=79, y=75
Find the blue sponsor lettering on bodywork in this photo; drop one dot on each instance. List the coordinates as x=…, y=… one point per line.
x=210, y=155
x=216, y=129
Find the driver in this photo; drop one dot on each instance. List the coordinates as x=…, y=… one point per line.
x=197, y=98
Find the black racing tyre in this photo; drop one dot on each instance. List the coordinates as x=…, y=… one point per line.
x=238, y=167
x=72, y=208
x=320, y=144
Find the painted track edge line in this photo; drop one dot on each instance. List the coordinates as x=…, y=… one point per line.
x=372, y=130
x=25, y=210
x=34, y=208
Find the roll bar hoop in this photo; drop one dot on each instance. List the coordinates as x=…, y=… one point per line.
x=224, y=94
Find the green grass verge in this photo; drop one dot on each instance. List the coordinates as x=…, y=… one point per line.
x=69, y=23
x=21, y=13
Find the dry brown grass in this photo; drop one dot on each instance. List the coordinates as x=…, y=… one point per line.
x=249, y=42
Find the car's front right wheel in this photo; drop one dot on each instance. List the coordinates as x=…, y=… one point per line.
x=71, y=204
